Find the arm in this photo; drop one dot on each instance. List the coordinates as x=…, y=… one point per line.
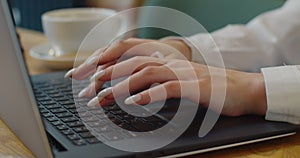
x=270, y=39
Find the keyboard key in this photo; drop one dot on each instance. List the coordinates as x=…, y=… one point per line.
x=86, y=135
x=129, y=134
x=128, y=117
x=118, y=112
x=112, y=136
x=43, y=98
x=81, y=109
x=79, y=142
x=81, y=100
x=90, y=119
x=92, y=140
x=56, y=123
x=50, y=91
x=43, y=110
x=116, y=121
x=104, y=129
x=48, y=114
x=70, y=106
x=52, y=119
x=141, y=126
x=153, y=119
x=60, y=99
x=75, y=124
x=52, y=106
x=56, y=95
x=158, y=124
x=85, y=114
x=48, y=102
x=73, y=111
x=80, y=129
x=63, y=115
x=96, y=123
x=67, y=102
x=112, y=107
x=73, y=137
x=67, y=132
x=62, y=127
x=127, y=127
x=69, y=119
x=58, y=110
x=97, y=112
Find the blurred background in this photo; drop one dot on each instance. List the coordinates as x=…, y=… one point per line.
x=212, y=14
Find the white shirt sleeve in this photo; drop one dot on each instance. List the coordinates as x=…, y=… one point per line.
x=282, y=91
x=271, y=39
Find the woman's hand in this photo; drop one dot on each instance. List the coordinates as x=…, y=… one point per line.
x=118, y=51
x=149, y=77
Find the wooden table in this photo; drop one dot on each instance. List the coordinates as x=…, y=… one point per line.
x=11, y=146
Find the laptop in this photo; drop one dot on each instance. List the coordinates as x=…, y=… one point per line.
x=41, y=110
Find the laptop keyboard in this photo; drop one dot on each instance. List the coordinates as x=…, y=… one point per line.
x=82, y=125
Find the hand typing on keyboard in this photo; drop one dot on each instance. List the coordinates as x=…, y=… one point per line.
x=154, y=79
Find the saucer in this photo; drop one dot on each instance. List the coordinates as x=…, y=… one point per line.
x=43, y=53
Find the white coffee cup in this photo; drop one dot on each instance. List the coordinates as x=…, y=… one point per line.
x=65, y=29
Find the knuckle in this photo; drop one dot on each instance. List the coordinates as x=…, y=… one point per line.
x=129, y=40
x=149, y=71
x=98, y=51
x=172, y=85
x=137, y=59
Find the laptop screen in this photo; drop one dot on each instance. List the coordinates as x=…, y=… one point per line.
x=18, y=108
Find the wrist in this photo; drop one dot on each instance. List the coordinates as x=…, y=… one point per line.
x=258, y=94
x=181, y=46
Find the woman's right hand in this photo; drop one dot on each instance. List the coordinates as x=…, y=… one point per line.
x=153, y=79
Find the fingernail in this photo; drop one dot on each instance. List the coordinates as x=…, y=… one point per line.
x=83, y=92
x=94, y=102
x=158, y=55
x=69, y=73
x=104, y=93
x=92, y=61
x=133, y=99
x=97, y=75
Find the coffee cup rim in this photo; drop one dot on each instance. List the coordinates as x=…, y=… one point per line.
x=48, y=16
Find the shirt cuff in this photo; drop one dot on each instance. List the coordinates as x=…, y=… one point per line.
x=282, y=91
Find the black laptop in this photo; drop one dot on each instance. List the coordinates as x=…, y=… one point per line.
x=46, y=114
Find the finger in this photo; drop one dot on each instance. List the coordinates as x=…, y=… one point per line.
x=84, y=69
x=167, y=90
x=138, y=81
x=116, y=50
x=106, y=102
x=83, y=72
x=160, y=92
x=157, y=54
x=91, y=90
x=126, y=68
x=95, y=102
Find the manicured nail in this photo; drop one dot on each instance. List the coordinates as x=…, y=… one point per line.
x=104, y=93
x=83, y=92
x=94, y=102
x=158, y=54
x=69, y=73
x=133, y=99
x=92, y=61
x=97, y=75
